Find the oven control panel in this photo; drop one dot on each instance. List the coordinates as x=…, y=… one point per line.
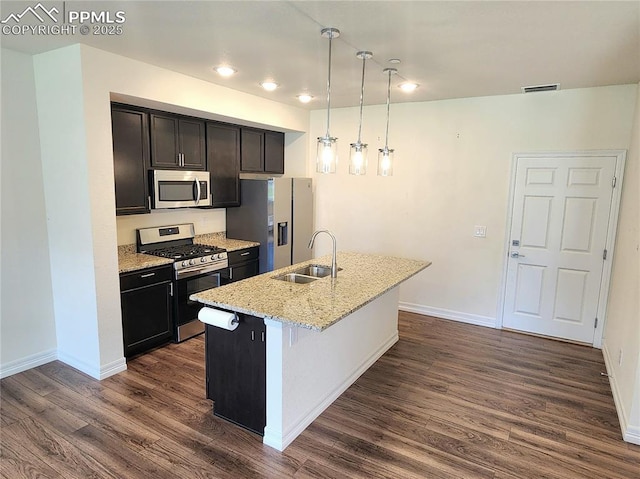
x=201, y=265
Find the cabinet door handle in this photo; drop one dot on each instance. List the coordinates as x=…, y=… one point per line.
x=263, y=336
x=245, y=254
x=253, y=335
x=170, y=289
x=149, y=201
x=148, y=275
x=230, y=273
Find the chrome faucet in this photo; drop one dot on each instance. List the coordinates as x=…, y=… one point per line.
x=334, y=265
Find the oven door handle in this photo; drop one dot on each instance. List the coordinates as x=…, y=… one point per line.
x=197, y=272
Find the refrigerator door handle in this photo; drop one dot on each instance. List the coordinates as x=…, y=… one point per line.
x=283, y=233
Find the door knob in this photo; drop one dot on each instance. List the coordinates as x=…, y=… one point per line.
x=515, y=254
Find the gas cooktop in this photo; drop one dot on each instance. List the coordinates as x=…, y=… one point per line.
x=176, y=242
x=186, y=251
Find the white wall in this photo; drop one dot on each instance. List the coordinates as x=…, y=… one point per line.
x=452, y=172
x=205, y=221
x=74, y=88
x=622, y=330
x=27, y=327
x=68, y=198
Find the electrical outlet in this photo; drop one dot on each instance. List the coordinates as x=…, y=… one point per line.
x=620, y=357
x=480, y=231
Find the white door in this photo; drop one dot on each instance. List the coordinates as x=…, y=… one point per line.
x=558, y=236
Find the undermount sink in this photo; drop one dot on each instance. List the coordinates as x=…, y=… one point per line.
x=306, y=274
x=315, y=270
x=296, y=278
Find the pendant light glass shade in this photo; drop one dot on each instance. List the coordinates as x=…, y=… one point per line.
x=327, y=154
x=358, y=159
x=358, y=152
x=386, y=155
x=385, y=161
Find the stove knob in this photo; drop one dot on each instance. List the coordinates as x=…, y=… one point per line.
x=213, y=257
x=192, y=261
x=203, y=259
x=184, y=263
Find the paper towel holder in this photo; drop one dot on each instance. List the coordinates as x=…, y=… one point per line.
x=235, y=319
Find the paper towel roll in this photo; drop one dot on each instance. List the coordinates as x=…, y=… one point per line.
x=216, y=317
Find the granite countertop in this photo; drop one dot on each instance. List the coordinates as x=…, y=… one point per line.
x=219, y=239
x=321, y=303
x=129, y=260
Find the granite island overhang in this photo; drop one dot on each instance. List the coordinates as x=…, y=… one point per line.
x=320, y=336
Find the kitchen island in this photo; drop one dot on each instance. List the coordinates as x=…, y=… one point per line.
x=320, y=336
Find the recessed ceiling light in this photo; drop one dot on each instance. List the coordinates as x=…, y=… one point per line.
x=224, y=70
x=408, y=86
x=269, y=85
x=305, y=98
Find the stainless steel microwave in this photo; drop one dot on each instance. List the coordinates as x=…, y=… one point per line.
x=180, y=189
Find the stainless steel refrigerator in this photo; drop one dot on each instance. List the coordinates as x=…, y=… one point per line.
x=277, y=213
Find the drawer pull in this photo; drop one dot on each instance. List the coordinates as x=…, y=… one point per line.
x=245, y=254
x=148, y=275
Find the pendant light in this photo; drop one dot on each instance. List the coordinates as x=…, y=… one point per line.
x=358, y=152
x=385, y=155
x=327, y=155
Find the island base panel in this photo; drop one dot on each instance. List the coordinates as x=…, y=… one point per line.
x=308, y=370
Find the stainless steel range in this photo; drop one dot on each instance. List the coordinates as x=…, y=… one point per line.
x=197, y=267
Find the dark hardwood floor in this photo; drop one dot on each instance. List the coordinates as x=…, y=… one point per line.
x=449, y=400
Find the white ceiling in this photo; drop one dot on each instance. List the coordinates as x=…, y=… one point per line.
x=452, y=49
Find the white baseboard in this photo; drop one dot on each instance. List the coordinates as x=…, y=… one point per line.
x=79, y=364
x=22, y=364
x=468, y=318
x=630, y=432
x=112, y=368
x=632, y=435
x=280, y=441
x=97, y=373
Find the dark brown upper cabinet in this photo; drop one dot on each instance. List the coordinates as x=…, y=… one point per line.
x=223, y=162
x=130, y=131
x=177, y=142
x=274, y=152
x=262, y=151
x=252, y=150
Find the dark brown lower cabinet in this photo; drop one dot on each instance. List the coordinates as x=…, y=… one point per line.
x=236, y=372
x=146, y=304
x=243, y=264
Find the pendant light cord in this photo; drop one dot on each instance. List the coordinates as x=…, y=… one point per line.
x=329, y=85
x=364, y=59
x=386, y=138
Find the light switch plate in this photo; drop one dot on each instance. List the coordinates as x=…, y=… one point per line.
x=480, y=231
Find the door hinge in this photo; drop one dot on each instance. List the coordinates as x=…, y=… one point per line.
x=604, y=254
x=613, y=182
x=595, y=324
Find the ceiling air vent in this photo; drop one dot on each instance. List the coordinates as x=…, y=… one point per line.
x=537, y=88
